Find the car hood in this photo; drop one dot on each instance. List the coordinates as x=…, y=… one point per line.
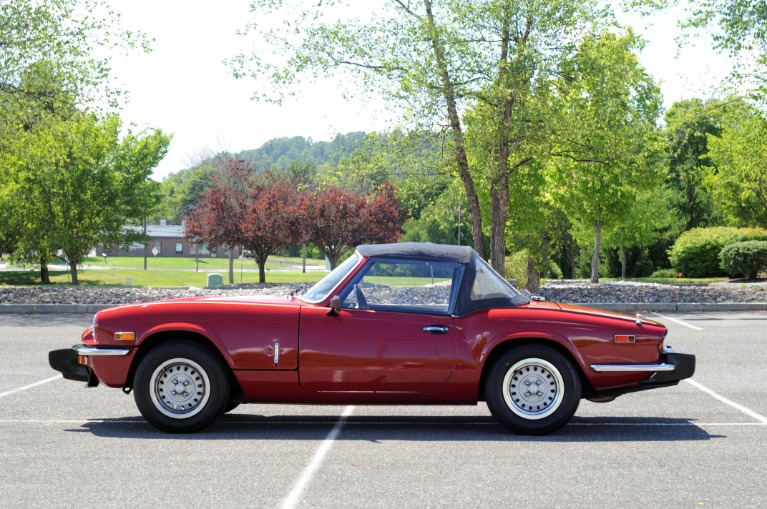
x=608, y=314
x=190, y=304
x=572, y=308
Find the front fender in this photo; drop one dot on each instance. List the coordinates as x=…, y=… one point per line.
x=182, y=327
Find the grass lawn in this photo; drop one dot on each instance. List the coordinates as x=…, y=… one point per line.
x=137, y=262
x=118, y=277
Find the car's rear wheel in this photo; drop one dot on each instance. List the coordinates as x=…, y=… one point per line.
x=533, y=389
x=181, y=387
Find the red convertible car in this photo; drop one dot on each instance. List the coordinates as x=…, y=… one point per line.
x=405, y=323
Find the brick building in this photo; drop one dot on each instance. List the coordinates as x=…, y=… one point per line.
x=169, y=240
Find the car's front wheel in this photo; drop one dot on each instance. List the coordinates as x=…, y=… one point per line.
x=533, y=389
x=181, y=387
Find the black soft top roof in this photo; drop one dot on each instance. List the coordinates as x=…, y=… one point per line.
x=419, y=251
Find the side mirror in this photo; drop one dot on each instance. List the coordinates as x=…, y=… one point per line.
x=335, y=306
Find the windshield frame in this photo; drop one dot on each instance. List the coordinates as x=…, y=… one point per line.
x=332, y=280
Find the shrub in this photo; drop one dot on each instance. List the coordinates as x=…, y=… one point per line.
x=744, y=258
x=554, y=271
x=696, y=252
x=516, y=268
x=663, y=274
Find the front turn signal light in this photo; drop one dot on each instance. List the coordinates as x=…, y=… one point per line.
x=125, y=336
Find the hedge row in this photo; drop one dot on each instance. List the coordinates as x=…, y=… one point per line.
x=696, y=252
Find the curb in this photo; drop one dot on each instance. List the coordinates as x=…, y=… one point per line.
x=668, y=307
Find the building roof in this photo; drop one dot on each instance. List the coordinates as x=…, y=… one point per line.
x=161, y=231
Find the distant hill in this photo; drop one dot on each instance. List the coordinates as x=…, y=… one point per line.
x=280, y=152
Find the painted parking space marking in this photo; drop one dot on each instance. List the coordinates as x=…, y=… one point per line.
x=30, y=386
x=293, y=497
x=762, y=419
x=680, y=322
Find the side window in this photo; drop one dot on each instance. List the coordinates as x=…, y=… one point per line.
x=404, y=286
x=488, y=284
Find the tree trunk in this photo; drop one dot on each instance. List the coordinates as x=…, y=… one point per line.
x=231, y=266
x=595, y=256
x=332, y=256
x=499, y=203
x=623, y=262
x=44, y=275
x=261, y=269
x=533, y=277
x=462, y=162
x=499, y=184
x=73, y=272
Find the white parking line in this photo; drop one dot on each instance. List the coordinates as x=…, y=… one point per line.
x=726, y=401
x=293, y=497
x=41, y=382
x=680, y=322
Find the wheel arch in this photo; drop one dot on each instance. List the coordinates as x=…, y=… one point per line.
x=504, y=346
x=157, y=338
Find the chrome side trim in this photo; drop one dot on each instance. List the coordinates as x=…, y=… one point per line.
x=94, y=351
x=628, y=368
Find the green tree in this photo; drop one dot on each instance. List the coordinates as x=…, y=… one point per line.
x=75, y=37
x=412, y=161
x=736, y=26
x=433, y=59
x=739, y=184
x=647, y=220
x=605, y=135
x=439, y=222
x=79, y=182
x=54, y=59
x=688, y=125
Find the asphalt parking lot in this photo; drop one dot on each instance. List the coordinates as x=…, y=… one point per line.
x=700, y=444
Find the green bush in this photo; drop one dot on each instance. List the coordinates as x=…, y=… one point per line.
x=696, y=252
x=663, y=274
x=554, y=271
x=516, y=268
x=744, y=258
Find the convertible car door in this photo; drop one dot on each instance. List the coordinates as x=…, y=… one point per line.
x=394, y=332
x=375, y=351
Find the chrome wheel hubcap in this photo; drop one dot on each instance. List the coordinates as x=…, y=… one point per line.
x=179, y=388
x=533, y=388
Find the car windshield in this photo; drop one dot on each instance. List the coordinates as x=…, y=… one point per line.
x=321, y=290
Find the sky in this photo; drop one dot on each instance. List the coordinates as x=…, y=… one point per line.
x=184, y=88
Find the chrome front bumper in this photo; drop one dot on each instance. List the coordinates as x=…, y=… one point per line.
x=672, y=368
x=67, y=362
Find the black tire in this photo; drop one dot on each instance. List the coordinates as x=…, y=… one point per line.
x=181, y=387
x=231, y=406
x=533, y=389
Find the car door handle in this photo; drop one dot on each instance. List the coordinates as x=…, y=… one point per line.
x=437, y=329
